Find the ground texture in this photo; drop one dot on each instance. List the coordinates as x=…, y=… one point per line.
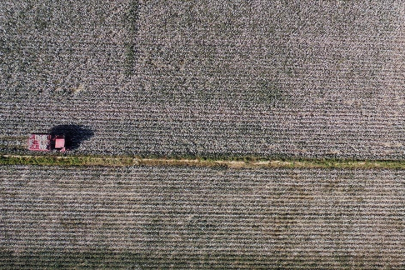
x=146, y=217
x=268, y=78
x=203, y=78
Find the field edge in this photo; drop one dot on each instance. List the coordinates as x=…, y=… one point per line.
x=230, y=162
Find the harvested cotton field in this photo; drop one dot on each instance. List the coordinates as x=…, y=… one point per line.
x=146, y=217
x=265, y=78
x=221, y=81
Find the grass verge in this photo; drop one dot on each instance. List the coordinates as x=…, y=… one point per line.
x=108, y=161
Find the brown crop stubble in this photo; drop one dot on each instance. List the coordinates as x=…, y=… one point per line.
x=162, y=217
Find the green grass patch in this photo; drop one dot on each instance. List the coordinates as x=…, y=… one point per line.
x=66, y=160
x=248, y=162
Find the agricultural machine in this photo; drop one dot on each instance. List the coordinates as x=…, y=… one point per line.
x=46, y=142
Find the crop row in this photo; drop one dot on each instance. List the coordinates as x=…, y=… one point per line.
x=202, y=216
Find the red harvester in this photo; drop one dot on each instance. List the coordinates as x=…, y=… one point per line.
x=46, y=142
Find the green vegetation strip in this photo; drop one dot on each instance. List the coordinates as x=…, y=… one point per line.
x=108, y=161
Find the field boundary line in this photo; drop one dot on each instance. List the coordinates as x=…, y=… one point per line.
x=251, y=163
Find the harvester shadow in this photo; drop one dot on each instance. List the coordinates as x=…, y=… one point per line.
x=74, y=134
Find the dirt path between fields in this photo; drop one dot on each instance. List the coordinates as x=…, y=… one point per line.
x=109, y=161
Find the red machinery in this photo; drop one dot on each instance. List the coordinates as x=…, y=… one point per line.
x=46, y=142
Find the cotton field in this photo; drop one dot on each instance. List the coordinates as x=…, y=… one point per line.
x=184, y=79
x=265, y=78
x=194, y=218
